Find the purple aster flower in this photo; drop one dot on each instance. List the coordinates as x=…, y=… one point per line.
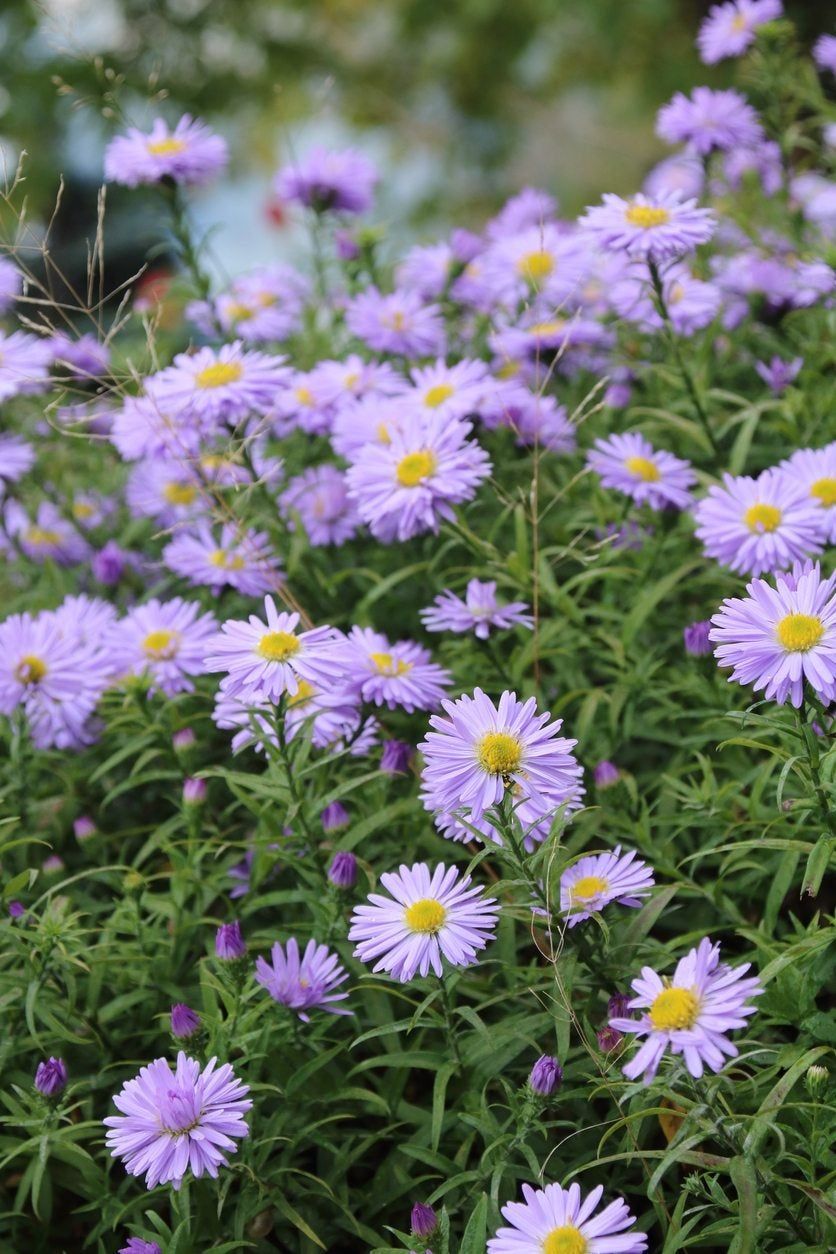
x=426, y=269
x=824, y=53
x=239, y=559
x=478, y=612
x=338, y=180
x=84, y=827
x=696, y=639
x=410, y=485
x=165, y=640
x=190, y=154
x=454, y=391
x=630, y=464
x=109, y=563
x=24, y=364
x=534, y=418
x=319, y=496
x=331, y=717
x=11, y=284
x=691, y=303
x=263, y=660
x=17, y=456
x=263, y=305
x=51, y=1077
x=596, y=880
x=540, y=261
x=137, y=1245
x=429, y=916
x=49, y=536
x=185, y=1022
x=555, y=1220
x=479, y=752
x=546, y=1076
x=334, y=817
x=177, y=1121
x=216, y=386
x=147, y=427
x=730, y=28
x=372, y=420
x=775, y=638
x=194, y=791
x=654, y=227
x=689, y=1013
x=757, y=525
x=815, y=470
x=399, y=674
x=531, y=206
x=396, y=757
x=169, y=491
x=764, y=162
x=343, y=869
x=680, y=173
x=605, y=774
x=400, y=322
x=778, y=374
x=422, y=1221
x=709, y=121
x=303, y=982
x=83, y=358
x=229, y=942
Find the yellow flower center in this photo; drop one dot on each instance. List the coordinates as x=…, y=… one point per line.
x=674, y=1008
x=675, y=294
x=553, y=327
x=508, y=369
x=567, y=1239
x=83, y=509
x=642, y=468
x=397, y=320
x=438, y=395
x=166, y=147
x=798, y=633
x=499, y=753
x=30, y=669
x=305, y=396
x=425, y=916
x=646, y=216
x=760, y=518
x=587, y=887
x=161, y=644
x=385, y=664
x=277, y=646
x=178, y=493
x=226, y=561
x=739, y=22
x=237, y=311
x=824, y=490
x=219, y=374
x=414, y=468
x=42, y=535
x=382, y=433
x=536, y=266
x=303, y=693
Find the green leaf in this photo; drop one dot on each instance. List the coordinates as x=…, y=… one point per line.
x=817, y=864
x=744, y=1179
x=475, y=1234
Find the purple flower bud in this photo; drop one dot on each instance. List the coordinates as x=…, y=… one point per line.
x=16, y=910
x=229, y=943
x=346, y=246
x=184, y=1021
x=423, y=1221
x=546, y=1076
x=108, y=565
x=51, y=1077
x=183, y=739
x=136, y=1245
x=778, y=374
x=343, y=870
x=696, y=638
x=618, y=1006
x=84, y=827
x=52, y=864
x=606, y=774
x=334, y=816
x=194, y=791
x=609, y=1039
x=396, y=757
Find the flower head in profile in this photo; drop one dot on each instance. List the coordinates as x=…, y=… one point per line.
x=757, y=525
x=555, y=1220
x=303, y=982
x=233, y=557
x=478, y=612
x=824, y=53
x=689, y=1013
x=178, y=1122
x=165, y=640
x=190, y=154
x=393, y=674
x=599, y=879
x=730, y=29
x=329, y=180
x=653, y=227
x=429, y=918
x=815, y=470
x=17, y=456
x=11, y=284
x=777, y=637
x=709, y=121
x=630, y=464
x=778, y=374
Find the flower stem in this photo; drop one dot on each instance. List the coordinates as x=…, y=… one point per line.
x=682, y=367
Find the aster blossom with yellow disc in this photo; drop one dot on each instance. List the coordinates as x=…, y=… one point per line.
x=689, y=1013
x=430, y=917
x=164, y=641
x=653, y=227
x=555, y=1220
x=393, y=674
x=599, y=879
x=756, y=525
x=226, y=385
x=190, y=153
x=630, y=464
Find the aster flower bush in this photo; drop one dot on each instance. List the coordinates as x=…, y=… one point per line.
x=418, y=692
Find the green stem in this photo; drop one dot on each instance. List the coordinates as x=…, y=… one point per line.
x=811, y=745
x=673, y=340
x=449, y=1029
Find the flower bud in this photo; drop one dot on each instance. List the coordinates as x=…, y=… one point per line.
x=136, y=1245
x=108, y=565
x=194, y=791
x=16, y=910
x=183, y=739
x=334, y=817
x=695, y=638
x=816, y=1080
x=343, y=870
x=423, y=1221
x=606, y=774
x=184, y=1021
x=84, y=827
x=229, y=943
x=546, y=1076
x=617, y=1006
x=609, y=1039
x=396, y=757
x=51, y=1077
x=53, y=864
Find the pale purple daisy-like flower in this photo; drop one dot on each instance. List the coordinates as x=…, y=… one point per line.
x=709, y=121
x=168, y=491
x=531, y=206
x=824, y=53
x=555, y=1220
x=478, y=752
x=815, y=470
x=223, y=385
x=454, y=391
x=373, y=419
x=539, y=261
x=239, y=559
x=262, y=660
x=630, y=464
x=534, y=418
x=319, y=496
x=174, y=1122
x=596, y=880
x=478, y=612
x=332, y=717
x=304, y=981
x=24, y=364
x=776, y=638
x=428, y=918
x=17, y=456
x=145, y=427
x=426, y=269
x=306, y=403
x=190, y=154
x=730, y=28
x=83, y=358
x=410, y=485
x=757, y=525
x=399, y=322
x=688, y=1013
x=265, y=304
x=778, y=374
x=11, y=284
x=400, y=674
x=681, y=173
x=691, y=303
x=653, y=227
x=327, y=179
x=163, y=640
